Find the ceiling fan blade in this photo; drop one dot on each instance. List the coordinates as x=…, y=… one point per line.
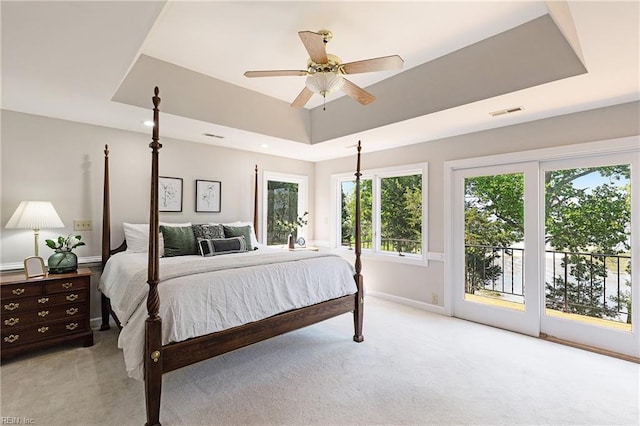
x=314, y=43
x=357, y=93
x=275, y=73
x=385, y=63
x=303, y=98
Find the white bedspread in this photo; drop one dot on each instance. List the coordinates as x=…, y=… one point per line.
x=202, y=295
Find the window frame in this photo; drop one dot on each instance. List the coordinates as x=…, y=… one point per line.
x=303, y=196
x=376, y=175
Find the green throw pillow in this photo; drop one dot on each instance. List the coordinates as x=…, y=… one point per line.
x=239, y=231
x=179, y=241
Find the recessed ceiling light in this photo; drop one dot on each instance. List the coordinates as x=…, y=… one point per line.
x=264, y=145
x=148, y=123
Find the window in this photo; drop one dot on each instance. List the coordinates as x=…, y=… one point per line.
x=286, y=200
x=393, y=207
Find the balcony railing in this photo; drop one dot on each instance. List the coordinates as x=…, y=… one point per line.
x=390, y=245
x=592, y=284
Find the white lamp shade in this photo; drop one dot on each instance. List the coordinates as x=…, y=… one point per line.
x=324, y=82
x=35, y=215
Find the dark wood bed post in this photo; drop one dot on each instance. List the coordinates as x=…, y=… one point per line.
x=106, y=237
x=359, y=309
x=153, y=325
x=255, y=202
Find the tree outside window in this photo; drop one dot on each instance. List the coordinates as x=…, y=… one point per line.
x=391, y=212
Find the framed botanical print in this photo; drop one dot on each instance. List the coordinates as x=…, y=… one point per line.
x=208, y=193
x=169, y=194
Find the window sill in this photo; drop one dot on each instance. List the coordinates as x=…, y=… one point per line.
x=387, y=257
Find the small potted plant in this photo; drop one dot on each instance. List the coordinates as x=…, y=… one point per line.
x=292, y=227
x=64, y=260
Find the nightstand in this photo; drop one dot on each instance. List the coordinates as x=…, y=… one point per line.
x=44, y=311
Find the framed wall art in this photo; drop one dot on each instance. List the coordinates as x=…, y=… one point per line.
x=169, y=194
x=208, y=194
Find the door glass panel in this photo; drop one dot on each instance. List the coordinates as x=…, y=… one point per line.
x=494, y=240
x=588, y=245
x=282, y=208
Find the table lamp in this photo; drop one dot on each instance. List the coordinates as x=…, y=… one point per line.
x=35, y=215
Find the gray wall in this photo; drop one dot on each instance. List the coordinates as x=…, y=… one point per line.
x=420, y=284
x=63, y=162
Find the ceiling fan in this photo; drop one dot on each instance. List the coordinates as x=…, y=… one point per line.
x=325, y=72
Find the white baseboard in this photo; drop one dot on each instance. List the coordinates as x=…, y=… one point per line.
x=436, y=309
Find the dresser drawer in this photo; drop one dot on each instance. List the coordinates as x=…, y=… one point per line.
x=44, y=311
x=14, y=306
x=18, y=290
x=18, y=336
x=68, y=284
x=20, y=319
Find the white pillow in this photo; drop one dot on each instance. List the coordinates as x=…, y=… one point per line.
x=254, y=239
x=137, y=236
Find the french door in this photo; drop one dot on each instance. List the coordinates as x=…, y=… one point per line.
x=549, y=246
x=496, y=282
x=588, y=291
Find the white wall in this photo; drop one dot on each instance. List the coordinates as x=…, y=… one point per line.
x=63, y=162
x=416, y=284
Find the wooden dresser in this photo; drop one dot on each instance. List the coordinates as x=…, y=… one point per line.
x=44, y=311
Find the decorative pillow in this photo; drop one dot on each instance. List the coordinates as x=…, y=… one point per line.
x=212, y=247
x=239, y=231
x=181, y=225
x=178, y=241
x=161, y=242
x=208, y=232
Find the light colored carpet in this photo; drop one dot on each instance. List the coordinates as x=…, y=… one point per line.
x=413, y=368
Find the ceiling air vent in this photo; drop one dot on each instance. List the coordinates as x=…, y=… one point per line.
x=505, y=111
x=211, y=135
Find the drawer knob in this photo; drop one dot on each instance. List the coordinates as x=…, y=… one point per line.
x=12, y=306
x=11, y=321
x=43, y=313
x=43, y=329
x=11, y=338
x=72, y=311
x=67, y=285
x=72, y=297
x=43, y=300
x=71, y=326
x=18, y=291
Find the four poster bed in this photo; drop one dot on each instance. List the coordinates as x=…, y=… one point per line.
x=265, y=292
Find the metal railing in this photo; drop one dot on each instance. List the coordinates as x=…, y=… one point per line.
x=592, y=284
x=390, y=245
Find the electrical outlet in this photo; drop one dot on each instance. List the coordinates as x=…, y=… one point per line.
x=434, y=298
x=82, y=225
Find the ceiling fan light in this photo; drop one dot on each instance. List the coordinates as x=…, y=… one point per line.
x=324, y=82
